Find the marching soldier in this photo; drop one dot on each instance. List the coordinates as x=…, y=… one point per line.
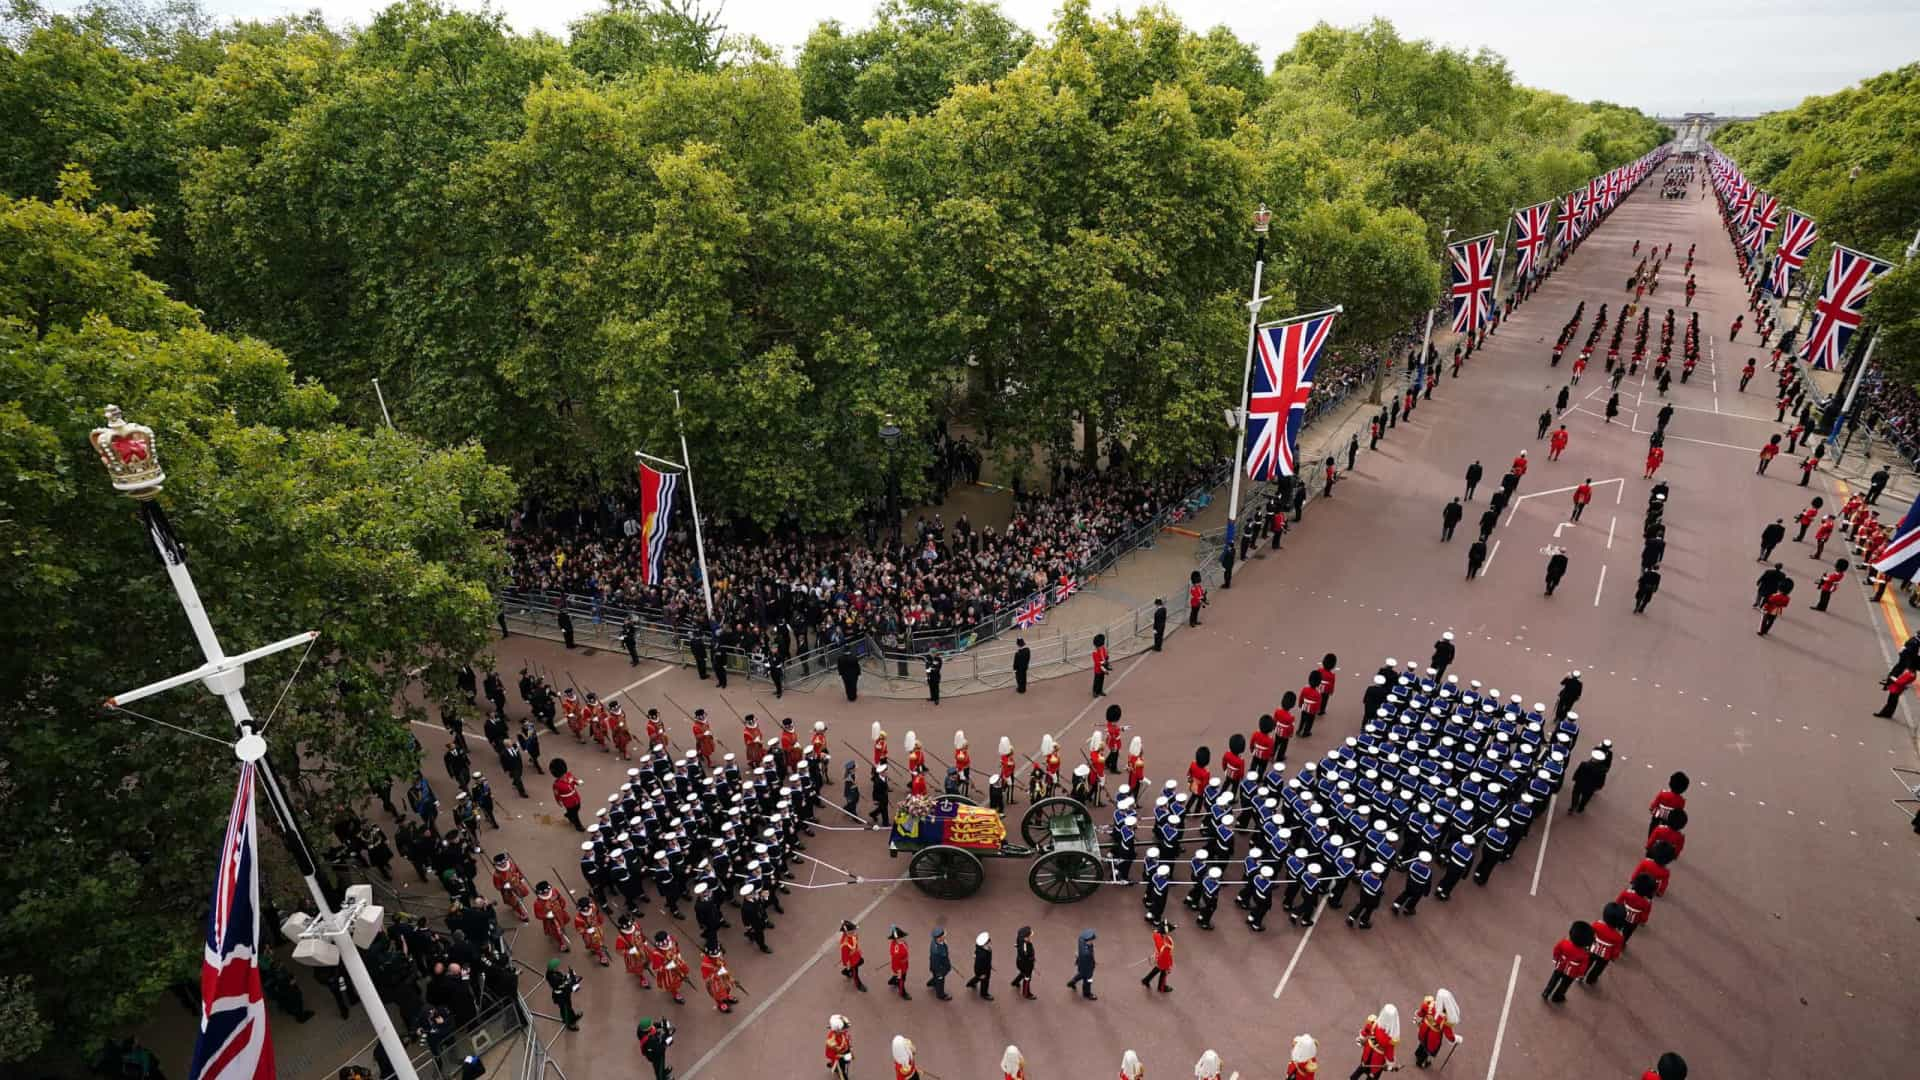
x=1013, y=1064
x=1419, y=883
x=916, y=755
x=753, y=740
x=1131, y=1068
x=719, y=980
x=703, y=741
x=670, y=969
x=879, y=744
x=1303, y=1062
x=1261, y=900
x=1436, y=1018
x=1609, y=940
x=597, y=722
x=903, y=1063
x=753, y=915
x=898, y=955
x=511, y=883
x=618, y=731
x=1162, y=964
x=1496, y=846
x=551, y=910
x=631, y=943
x=1672, y=798
x=590, y=924
x=1459, y=858
x=562, y=984
x=963, y=762
x=839, y=1046
x=1378, y=1038
x=1155, y=898
x=1208, y=1067
x=850, y=957
x=1571, y=959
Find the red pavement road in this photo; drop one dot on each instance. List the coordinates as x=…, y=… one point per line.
x=1777, y=952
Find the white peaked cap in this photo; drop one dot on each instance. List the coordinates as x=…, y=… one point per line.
x=1448, y=636
x=837, y=1022
x=821, y=725
x=1046, y=745
x=982, y=939
x=902, y=1050
x=877, y=732
x=912, y=741
x=1010, y=1060
x=1208, y=1067
x=1391, y=662
x=1304, y=1049
x=1390, y=1021
x=1130, y=1066
x=1449, y=1008
x=1006, y=745
x=959, y=739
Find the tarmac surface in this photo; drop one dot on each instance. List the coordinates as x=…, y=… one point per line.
x=1778, y=951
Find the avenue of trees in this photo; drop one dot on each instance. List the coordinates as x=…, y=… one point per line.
x=231, y=229
x=1807, y=156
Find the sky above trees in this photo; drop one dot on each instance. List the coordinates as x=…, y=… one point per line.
x=1733, y=57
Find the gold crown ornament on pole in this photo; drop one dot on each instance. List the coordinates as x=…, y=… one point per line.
x=127, y=450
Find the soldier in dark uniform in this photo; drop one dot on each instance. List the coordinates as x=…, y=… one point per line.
x=849, y=669
x=566, y=627
x=697, y=642
x=464, y=679
x=630, y=637
x=1588, y=778
x=1022, y=657
x=706, y=912
x=513, y=762
x=562, y=983
x=753, y=916
x=1443, y=653
x=1159, y=624
x=496, y=692
x=1570, y=689
x=933, y=664
x=1419, y=883
x=777, y=670
x=722, y=641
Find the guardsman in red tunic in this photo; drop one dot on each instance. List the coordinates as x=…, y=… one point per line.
x=669, y=967
x=617, y=728
x=897, y=957
x=703, y=737
x=1668, y=832
x=1310, y=705
x=1671, y=1066
x=1050, y=758
x=566, y=792
x=963, y=762
x=1377, y=1039
x=903, y=1064
x=917, y=784
x=1570, y=961
x=656, y=730
x=1101, y=665
x=511, y=882
x=1233, y=766
x=570, y=712
x=839, y=1046
x=1608, y=941
x=631, y=944
x=1097, y=764
x=719, y=980
x=1637, y=898
x=916, y=757
x=879, y=744
x=551, y=909
x=1823, y=534
x=817, y=743
x=1283, y=725
x=1136, y=767
x=598, y=724
x=1673, y=797
x=1006, y=766
x=1303, y=1063
x=850, y=957
x=1767, y=453
x=1557, y=443
x=1655, y=867
x=1436, y=1017
x=1655, y=456
x=591, y=925
x=1520, y=465
x=789, y=743
x=1162, y=964
x=754, y=741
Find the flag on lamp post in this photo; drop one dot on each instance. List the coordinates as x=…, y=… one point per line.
x=656, y=507
x=233, y=1043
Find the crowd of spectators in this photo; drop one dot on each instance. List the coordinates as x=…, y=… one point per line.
x=1893, y=409
x=809, y=590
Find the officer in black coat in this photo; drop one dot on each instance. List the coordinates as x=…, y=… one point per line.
x=566, y=627
x=1450, y=519
x=1022, y=657
x=630, y=637
x=1443, y=653
x=1648, y=584
x=1570, y=690
x=1588, y=778
x=720, y=643
x=1474, y=472
x=706, y=912
x=514, y=763
x=849, y=669
x=933, y=665
x=1159, y=625
x=697, y=642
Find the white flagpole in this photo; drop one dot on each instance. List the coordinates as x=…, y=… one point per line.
x=1502, y=269
x=225, y=677
x=1240, y=416
x=693, y=504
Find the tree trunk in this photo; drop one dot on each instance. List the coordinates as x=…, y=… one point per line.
x=1090, y=434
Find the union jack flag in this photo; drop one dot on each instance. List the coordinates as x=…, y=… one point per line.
x=1743, y=202
x=1066, y=588
x=1842, y=303
x=1616, y=186
x=1902, y=555
x=1765, y=217
x=1472, y=287
x=1596, y=191
x=233, y=1041
x=1282, y=382
x=1032, y=613
x=1795, y=241
x=1529, y=235
x=1571, y=212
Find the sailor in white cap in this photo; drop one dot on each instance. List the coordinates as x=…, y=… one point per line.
x=1588, y=778
x=982, y=966
x=1442, y=655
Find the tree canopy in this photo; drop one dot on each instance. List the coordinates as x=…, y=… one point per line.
x=1806, y=156
x=231, y=229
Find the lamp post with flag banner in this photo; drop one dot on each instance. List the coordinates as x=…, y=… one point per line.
x=1238, y=418
x=1836, y=420
x=233, y=1039
x=1426, y=336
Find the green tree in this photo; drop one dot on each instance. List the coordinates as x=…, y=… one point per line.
x=376, y=540
x=910, y=59
x=629, y=36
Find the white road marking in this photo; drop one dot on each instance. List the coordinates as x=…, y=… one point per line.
x=642, y=681
x=1318, y=911
x=1082, y=714
x=1611, y=522
x=1488, y=565
x=1499, y=1033
x=1540, y=860
x=1602, y=585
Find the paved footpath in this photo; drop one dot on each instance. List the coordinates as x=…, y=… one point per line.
x=1782, y=949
